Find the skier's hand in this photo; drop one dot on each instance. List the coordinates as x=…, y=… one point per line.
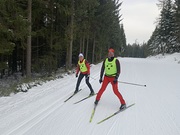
x=87, y=76
x=100, y=80
x=115, y=80
x=76, y=75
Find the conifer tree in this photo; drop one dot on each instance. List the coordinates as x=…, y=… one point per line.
x=165, y=38
x=28, y=49
x=177, y=24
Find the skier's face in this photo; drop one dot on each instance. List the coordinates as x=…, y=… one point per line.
x=110, y=54
x=81, y=58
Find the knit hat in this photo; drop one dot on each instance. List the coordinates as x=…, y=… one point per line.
x=81, y=55
x=111, y=50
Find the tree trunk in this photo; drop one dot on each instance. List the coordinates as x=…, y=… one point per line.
x=83, y=42
x=80, y=48
x=51, y=31
x=94, y=45
x=69, y=48
x=87, y=46
x=28, y=55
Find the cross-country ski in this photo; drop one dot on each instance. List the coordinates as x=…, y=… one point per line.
x=71, y=96
x=115, y=114
x=92, y=114
x=84, y=98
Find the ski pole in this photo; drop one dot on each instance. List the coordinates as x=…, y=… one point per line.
x=132, y=83
x=93, y=78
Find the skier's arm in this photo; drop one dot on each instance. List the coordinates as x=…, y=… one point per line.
x=77, y=69
x=118, y=68
x=102, y=70
x=88, y=67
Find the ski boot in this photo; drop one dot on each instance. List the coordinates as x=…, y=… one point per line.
x=122, y=107
x=96, y=102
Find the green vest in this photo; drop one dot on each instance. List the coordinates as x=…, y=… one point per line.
x=110, y=67
x=82, y=66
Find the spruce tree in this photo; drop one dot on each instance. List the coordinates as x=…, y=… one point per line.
x=164, y=38
x=177, y=24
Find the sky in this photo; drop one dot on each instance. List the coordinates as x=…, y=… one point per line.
x=139, y=17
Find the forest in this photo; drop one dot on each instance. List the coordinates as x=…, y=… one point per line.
x=38, y=37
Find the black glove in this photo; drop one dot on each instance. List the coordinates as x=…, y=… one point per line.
x=100, y=80
x=87, y=76
x=76, y=75
x=115, y=80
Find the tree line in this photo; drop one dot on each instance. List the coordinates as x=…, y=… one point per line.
x=40, y=36
x=136, y=50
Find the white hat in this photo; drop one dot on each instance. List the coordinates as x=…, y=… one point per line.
x=81, y=55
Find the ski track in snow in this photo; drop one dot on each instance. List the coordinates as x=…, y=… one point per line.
x=28, y=123
x=156, y=111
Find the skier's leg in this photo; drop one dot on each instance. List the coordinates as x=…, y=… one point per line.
x=79, y=81
x=103, y=87
x=88, y=84
x=116, y=91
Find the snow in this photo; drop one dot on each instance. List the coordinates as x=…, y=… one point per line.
x=42, y=111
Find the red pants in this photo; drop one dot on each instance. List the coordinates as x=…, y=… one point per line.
x=114, y=86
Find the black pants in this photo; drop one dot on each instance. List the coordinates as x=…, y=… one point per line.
x=87, y=81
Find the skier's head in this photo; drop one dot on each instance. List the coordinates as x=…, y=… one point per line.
x=111, y=52
x=81, y=56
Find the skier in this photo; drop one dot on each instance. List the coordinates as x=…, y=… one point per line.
x=111, y=65
x=84, y=68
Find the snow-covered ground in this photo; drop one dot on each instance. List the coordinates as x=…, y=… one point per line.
x=42, y=111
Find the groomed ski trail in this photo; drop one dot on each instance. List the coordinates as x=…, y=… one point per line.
x=28, y=119
x=156, y=111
